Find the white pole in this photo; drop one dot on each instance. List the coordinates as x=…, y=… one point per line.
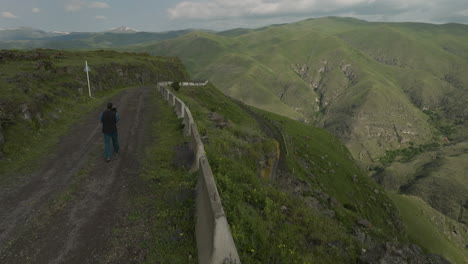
x=87, y=76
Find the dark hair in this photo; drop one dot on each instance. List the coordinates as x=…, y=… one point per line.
x=109, y=106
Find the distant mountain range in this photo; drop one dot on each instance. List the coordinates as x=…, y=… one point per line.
x=28, y=33
x=31, y=38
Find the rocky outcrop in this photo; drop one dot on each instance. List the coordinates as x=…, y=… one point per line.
x=396, y=253
x=315, y=79
x=357, y=112
x=349, y=73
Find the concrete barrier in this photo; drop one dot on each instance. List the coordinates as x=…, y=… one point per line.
x=166, y=95
x=188, y=121
x=179, y=107
x=214, y=239
x=171, y=99
x=194, y=83
x=197, y=146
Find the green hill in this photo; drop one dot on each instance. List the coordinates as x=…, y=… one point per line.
x=390, y=91
x=318, y=206
x=434, y=231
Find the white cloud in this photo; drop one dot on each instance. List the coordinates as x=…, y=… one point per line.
x=229, y=8
x=381, y=10
x=36, y=10
x=463, y=13
x=98, y=5
x=101, y=17
x=76, y=5
x=7, y=14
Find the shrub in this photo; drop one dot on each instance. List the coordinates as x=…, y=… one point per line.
x=175, y=85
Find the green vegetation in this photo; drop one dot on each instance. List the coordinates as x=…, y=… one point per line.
x=44, y=92
x=366, y=83
x=162, y=199
x=406, y=154
x=175, y=85
x=309, y=212
x=431, y=229
x=391, y=92
x=28, y=141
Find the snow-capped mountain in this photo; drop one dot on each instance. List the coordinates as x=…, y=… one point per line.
x=60, y=33
x=123, y=29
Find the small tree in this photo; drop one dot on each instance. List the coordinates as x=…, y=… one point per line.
x=175, y=85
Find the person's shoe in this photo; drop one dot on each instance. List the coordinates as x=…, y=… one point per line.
x=107, y=159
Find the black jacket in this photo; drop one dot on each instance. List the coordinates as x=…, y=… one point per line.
x=109, y=121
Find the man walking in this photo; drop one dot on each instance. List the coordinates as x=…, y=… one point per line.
x=109, y=119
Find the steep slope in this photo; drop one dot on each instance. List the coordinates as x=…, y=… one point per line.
x=431, y=229
x=302, y=71
x=389, y=91
x=318, y=206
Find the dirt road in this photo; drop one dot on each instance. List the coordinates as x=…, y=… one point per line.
x=66, y=211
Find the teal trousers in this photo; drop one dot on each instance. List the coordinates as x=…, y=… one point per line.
x=107, y=141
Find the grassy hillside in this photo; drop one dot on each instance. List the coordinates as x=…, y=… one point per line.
x=45, y=91
x=319, y=206
x=365, y=82
x=389, y=91
x=431, y=229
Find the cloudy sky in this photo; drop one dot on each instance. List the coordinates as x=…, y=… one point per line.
x=163, y=15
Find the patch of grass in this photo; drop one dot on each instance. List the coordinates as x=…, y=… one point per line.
x=71, y=191
x=319, y=158
x=432, y=230
x=162, y=202
x=406, y=154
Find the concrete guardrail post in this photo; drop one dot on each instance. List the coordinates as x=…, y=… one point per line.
x=188, y=120
x=198, y=148
x=179, y=108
